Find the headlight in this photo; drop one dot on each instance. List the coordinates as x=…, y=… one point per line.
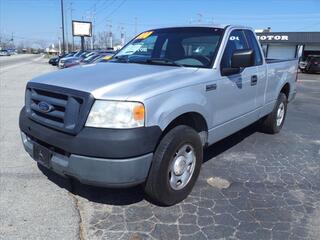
x=116, y=114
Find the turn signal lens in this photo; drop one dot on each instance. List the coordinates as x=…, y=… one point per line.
x=138, y=113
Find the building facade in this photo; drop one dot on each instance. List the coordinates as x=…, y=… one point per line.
x=286, y=45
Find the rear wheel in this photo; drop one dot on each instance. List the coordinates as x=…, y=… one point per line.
x=273, y=122
x=175, y=167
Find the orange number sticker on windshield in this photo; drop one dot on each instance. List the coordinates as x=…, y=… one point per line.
x=107, y=57
x=144, y=35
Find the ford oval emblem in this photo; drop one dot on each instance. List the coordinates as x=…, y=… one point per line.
x=45, y=107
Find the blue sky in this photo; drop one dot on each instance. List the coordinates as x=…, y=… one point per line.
x=41, y=19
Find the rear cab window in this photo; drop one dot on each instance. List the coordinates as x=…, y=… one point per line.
x=253, y=44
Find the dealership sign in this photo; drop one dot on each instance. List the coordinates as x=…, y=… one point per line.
x=273, y=37
x=81, y=28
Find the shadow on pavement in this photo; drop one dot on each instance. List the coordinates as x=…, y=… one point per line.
x=126, y=196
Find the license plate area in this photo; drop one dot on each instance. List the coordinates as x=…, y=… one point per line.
x=42, y=154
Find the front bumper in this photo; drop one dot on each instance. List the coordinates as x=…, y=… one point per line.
x=100, y=157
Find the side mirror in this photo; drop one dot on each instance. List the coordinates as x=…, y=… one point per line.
x=240, y=59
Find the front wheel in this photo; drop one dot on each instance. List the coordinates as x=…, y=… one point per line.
x=175, y=167
x=273, y=122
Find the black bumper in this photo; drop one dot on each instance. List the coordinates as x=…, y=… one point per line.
x=314, y=68
x=94, y=142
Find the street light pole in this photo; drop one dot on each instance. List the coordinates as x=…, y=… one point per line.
x=62, y=19
x=71, y=10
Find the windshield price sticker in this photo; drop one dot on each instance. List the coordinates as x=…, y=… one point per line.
x=144, y=35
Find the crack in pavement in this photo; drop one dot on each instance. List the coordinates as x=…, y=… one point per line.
x=81, y=230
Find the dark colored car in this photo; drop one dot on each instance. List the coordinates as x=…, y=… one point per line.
x=55, y=60
x=313, y=64
x=4, y=53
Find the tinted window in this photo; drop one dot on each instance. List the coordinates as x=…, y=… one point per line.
x=236, y=41
x=254, y=45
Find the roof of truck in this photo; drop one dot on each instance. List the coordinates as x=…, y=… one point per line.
x=222, y=26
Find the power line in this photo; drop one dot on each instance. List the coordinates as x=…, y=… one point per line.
x=112, y=12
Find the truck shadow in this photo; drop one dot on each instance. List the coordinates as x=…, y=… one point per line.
x=126, y=196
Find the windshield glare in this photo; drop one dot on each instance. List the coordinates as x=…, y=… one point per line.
x=189, y=47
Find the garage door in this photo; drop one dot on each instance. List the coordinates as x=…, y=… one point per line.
x=281, y=52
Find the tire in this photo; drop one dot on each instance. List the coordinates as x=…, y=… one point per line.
x=270, y=123
x=160, y=183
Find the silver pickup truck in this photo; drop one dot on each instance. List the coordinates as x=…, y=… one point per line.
x=146, y=115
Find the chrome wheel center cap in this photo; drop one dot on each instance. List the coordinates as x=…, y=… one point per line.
x=179, y=165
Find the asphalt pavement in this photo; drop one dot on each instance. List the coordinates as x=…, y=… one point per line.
x=251, y=186
x=10, y=62
x=31, y=207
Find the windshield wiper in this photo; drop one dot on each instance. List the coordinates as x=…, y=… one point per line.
x=163, y=60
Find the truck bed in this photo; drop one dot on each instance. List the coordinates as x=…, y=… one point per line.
x=270, y=60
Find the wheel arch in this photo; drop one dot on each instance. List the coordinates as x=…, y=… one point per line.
x=192, y=119
x=286, y=89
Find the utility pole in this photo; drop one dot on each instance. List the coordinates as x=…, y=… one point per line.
x=92, y=20
x=71, y=11
x=122, y=37
x=67, y=40
x=110, y=36
x=59, y=46
x=12, y=42
x=62, y=27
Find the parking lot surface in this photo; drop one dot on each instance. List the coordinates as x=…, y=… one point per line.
x=251, y=186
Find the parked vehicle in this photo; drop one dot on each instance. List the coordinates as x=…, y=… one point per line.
x=74, y=60
x=105, y=58
x=55, y=60
x=312, y=64
x=4, y=53
x=97, y=57
x=146, y=115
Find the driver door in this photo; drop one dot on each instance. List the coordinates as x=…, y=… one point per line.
x=236, y=96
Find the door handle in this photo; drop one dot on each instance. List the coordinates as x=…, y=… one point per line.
x=254, y=80
x=211, y=87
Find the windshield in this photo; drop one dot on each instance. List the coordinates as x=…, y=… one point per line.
x=91, y=58
x=188, y=47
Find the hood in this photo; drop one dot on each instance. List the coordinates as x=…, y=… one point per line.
x=120, y=81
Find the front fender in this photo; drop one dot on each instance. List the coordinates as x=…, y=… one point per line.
x=161, y=110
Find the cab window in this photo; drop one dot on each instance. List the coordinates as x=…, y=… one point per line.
x=254, y=45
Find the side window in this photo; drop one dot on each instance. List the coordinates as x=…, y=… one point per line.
x=254, y=45
x=236, y=41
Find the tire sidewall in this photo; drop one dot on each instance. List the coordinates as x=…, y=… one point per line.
x=186, y=135
x=281, y=99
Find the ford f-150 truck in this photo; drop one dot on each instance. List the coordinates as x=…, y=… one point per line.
x=146, y=115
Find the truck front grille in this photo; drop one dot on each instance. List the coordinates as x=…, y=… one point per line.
x=60, y=108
